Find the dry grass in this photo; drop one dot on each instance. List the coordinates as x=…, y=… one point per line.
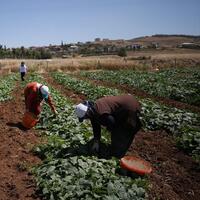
x=72, y=64
x=155, y=60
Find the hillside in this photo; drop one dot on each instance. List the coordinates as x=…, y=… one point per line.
x=166, y=40
x=104, y=47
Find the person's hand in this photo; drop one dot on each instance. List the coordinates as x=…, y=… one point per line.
x=55, y=112
x=95, y=146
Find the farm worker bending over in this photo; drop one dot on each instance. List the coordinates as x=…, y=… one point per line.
x=23, y=70
x=119, y=114
x=34, y=94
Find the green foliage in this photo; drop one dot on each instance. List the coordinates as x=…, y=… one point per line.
x=7, y=84
x=189, y=140
x=122, y=52
x=182, y=84
x=66, y=176
x=84, y=87
x=86, y=178
x=24, y=53
x=153, y=116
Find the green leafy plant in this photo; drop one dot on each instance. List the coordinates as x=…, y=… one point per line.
x=7, y=84
x=64, y=175
x=181, y=84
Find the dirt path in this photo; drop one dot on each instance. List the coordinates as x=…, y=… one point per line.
x=76, y=98
x=15, y=151
x=175, y=176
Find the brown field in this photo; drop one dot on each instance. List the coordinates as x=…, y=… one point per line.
x=175, y=175
x=145, y=60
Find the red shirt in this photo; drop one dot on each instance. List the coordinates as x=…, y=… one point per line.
x=33, y=99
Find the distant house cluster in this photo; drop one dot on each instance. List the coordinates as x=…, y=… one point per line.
x=98, y=47
x=102, y=46
x=189, y=45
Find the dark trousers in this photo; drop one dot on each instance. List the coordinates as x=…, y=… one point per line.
x=22, y=75
x=122, y=136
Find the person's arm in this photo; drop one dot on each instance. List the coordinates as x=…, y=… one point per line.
x=49, y=101
x=97, y=136
x=96, y=129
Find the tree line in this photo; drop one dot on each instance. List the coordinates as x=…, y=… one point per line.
x=23, y=53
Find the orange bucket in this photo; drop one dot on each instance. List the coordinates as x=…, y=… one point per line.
x=136, y=165
x=29, y=120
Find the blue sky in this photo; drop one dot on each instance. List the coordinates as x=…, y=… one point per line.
x=43, y=22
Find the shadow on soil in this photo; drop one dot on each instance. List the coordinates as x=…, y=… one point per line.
x=17, y=125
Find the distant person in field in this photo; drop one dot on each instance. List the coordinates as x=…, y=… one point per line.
x=35, y=94
x=119, y=114
x=23, y=70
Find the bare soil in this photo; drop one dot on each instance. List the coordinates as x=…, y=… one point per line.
x=16, y=182
x=175, y=175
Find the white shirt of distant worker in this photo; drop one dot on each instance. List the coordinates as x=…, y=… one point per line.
x=23, y=70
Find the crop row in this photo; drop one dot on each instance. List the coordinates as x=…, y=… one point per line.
x=68, y=171
x=7, y=84
x=182, y=84
x=154, y=116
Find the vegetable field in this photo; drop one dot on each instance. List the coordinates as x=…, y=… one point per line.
x=53, y=159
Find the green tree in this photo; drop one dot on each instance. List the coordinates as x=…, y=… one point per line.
x=22, y=52
x=122, y=52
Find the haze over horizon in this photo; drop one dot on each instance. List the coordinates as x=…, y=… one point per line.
x=40, y=23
